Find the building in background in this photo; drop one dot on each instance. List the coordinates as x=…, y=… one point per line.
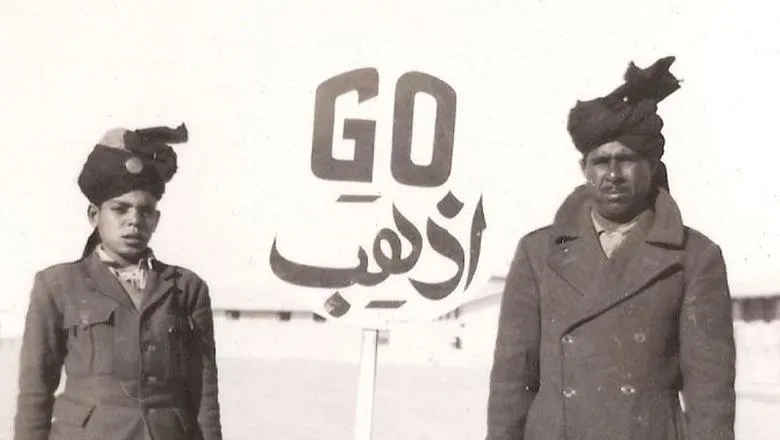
x=465, y=335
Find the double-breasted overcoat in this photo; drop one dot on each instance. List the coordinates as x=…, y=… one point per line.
x=131, y=373
x=597, y=348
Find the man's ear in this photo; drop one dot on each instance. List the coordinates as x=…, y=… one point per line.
x=583, y=162
x=156, y=219
x=92, y=214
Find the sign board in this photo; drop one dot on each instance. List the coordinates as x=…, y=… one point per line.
x=391, y=223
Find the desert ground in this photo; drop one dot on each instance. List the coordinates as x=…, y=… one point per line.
x=299, y=382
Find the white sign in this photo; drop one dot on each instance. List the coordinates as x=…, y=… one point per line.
x=384, y=236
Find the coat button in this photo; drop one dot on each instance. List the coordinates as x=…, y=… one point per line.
x=569, y=392
x=640, y=337
x=627, y=390
x=567, y=339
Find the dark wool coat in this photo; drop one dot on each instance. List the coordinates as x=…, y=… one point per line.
x=126, y=370
x=591, y=348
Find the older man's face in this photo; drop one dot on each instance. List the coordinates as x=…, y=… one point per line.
x=619, y=180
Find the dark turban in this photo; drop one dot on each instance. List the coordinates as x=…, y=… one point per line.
x=628, y=114
x=128, y=160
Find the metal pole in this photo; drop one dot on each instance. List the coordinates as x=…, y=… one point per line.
x=366, y=385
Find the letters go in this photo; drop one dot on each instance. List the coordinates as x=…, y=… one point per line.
x=363, y=132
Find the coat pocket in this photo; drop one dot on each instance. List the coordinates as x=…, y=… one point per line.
x=653, y=417
x=179, y=335
x=169, y=424
x=184, y=421
x=90, y=338
x=71, y=413
x=70, y=420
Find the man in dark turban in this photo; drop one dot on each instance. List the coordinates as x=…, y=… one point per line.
x=133, y=334
x=124, y=161
x=617, y=310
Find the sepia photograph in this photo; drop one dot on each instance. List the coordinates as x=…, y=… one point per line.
x=412, y=219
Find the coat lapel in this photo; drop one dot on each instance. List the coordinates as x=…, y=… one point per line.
x=160, y=282
x=647, y=264
x=577, y=257
x=101, y=280
x=604, y=283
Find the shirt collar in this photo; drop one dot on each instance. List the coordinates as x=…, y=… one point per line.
x=601, y=225
x=145, y=262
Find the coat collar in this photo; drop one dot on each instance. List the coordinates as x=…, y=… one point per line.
x=161, y=281
x=665, y=229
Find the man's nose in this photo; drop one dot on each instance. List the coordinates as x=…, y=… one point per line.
x=614, y=172
x=134, y=217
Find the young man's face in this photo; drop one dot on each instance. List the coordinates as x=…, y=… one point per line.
x=126, y=223
x=619, y=180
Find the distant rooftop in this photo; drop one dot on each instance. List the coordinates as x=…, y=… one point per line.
x=267, y=300
x=246, y=299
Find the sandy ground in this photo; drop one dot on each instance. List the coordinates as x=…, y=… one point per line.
x=301, y=399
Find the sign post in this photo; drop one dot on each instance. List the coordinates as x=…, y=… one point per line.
x=428, y=257
x=364, y=414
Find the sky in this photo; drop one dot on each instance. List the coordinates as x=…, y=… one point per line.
x=242, y=74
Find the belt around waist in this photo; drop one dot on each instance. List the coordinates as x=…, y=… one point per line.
x=110, y=390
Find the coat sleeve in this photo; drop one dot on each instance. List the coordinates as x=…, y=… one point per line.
x=514, y=378
x=707, y=352
x=40, y=366
x=207, y=400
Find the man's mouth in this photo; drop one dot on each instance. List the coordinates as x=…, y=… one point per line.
x=133, y=238
x=614, y=193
